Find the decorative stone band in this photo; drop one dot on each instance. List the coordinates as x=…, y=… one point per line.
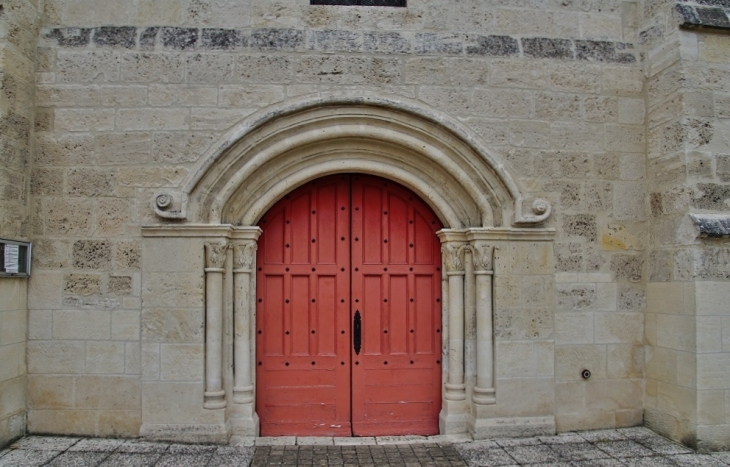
x=712, y=14
x=712, y=225
x=373, y=42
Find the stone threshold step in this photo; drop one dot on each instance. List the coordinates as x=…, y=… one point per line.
x=342, y=441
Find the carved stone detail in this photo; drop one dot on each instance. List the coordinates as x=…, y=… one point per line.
x=215, y=255
x=453, y=259
x=483, y=256
x=244, y=254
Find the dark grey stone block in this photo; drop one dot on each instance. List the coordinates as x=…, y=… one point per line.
x=712, y=225
x=277, y=39
x=148, y=38
x=492, y=46
x=713, y=17
x=223, y=39
x=336, y=41
x=386, y=42
x=540, y=47
x=434, y=43
x=70, y=37
x=180, y=38
x=687, y=13
x=599, y=51
x=110, y=36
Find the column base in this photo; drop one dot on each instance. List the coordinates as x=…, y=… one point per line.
x=484, y=396
x=214, y=399
x=453, y=417
x=245, y=421
x=517, y=427
x=243, y=395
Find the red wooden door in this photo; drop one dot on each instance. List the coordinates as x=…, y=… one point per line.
x=337, y=248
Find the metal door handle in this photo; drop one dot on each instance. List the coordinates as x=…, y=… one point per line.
x=357, y=332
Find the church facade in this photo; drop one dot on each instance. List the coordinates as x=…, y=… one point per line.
x=356, y=218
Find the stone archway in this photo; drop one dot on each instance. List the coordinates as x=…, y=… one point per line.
x=272, y=152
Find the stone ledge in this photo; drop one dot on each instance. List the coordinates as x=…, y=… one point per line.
x=710, y=14
x=712, y=225
x=160, y=38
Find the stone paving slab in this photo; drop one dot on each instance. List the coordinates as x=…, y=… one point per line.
x=630, y=447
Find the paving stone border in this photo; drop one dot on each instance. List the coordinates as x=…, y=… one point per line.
x=329, y=41
x=609, y=448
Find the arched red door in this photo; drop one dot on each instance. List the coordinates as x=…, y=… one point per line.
x=349, y=311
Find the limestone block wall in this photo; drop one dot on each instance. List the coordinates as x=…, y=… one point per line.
x=687, y=128
x=131, y=94
x=19, y=25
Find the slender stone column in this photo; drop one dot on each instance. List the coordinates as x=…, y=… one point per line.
x=215, y=255
x=244, y=258
x=484, y=392
x=453, y=261
x=454, y=408
x=244, y=420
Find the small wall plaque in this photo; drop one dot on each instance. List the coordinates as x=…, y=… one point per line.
x=14, y=258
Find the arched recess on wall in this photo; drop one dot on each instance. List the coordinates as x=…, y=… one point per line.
x=286, y=145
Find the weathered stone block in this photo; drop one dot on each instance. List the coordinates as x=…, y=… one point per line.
x=177, y=325
x=223, y=39
x=209, y=68
x=619, y=328
x=250, y=96
x=180, y=147
x=123, y=96
x=179, y=38
x=92, y=254
x=54, y=357
x=386, y=42
x=105, y=357
x=88, y=66
x=152, y=67
x=152, y=119
x=571, y=360
x=574, y=328
x=265, y=68
x=82, y=284
x=181, y=362
x=547, y=48
x=492, y=46
x=285, y=40
x=84, y=119
x=69, y=37
x=107, y=392
x=110, y=36
x=125, y=326
x=90, y=182
x=581, y=225
x=437, y=43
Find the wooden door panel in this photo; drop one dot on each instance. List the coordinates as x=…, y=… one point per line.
x=303, y=295
x=396, y=284
x=336, y=246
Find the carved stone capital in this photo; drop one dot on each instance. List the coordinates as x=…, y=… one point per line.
x=215, y=255
x=483, y=254
x=244, y=254
x=453, y=255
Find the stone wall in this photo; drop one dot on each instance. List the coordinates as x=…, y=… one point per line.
x=19, y=28
x=131, y=94
x=686, y=392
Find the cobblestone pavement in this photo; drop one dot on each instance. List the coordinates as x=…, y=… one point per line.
x=630, y=447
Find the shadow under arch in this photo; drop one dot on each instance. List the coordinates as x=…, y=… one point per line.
x=286, y=145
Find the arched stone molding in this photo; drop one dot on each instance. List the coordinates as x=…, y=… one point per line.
x=284, y=146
